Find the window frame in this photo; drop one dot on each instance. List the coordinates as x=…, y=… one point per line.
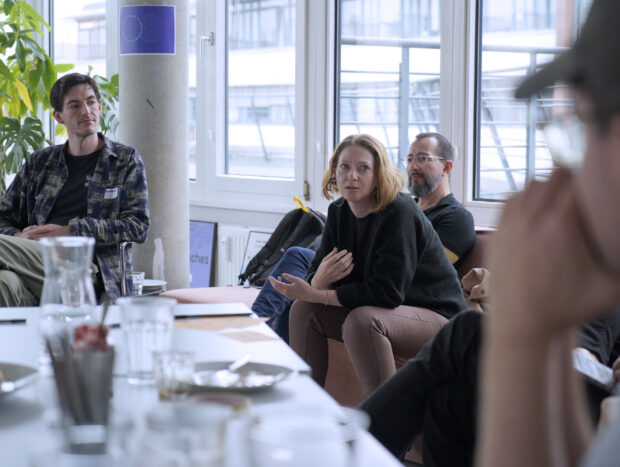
x=316, y=119
x=212, y=187
x=460, y=53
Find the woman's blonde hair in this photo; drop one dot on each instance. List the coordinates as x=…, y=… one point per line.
x=390, y=180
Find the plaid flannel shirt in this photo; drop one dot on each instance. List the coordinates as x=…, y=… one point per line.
x=117, y=206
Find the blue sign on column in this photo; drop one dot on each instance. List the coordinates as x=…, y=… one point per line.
x=147, y=30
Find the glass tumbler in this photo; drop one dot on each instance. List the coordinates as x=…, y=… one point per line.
x=146, y=323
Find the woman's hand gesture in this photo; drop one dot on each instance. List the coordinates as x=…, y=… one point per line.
x=334, y=266
x=295, y=288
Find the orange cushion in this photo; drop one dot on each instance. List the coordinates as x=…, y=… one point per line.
x=230, y=294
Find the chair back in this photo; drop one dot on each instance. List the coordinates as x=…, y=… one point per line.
x=477, y=256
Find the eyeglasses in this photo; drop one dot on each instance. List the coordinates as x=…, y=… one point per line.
x=421, y=159
x=566, y=140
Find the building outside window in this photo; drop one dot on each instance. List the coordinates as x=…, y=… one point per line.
x=260, y=88
x=515, y=39
x=247, y=126
x=79, y=34
x=388, y=70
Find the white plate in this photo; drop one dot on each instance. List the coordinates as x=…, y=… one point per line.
x=152, y=283
x=16, y=377
x=253, y=376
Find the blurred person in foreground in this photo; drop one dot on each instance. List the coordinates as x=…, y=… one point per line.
x=555, y=263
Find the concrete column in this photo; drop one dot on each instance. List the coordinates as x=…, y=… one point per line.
x=153, y=91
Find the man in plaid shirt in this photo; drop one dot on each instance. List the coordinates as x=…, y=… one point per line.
x=89, y=186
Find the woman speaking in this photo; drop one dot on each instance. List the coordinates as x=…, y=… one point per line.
x=380, y=282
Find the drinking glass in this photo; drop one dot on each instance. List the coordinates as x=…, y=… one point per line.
x=146, y=323
x=173, y=370
x=185, y=435
x=108, y=445
x=68, y=295
x=305, y=437
x=68, y=279
x=137, y=280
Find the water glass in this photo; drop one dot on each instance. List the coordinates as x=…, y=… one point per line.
x=146, y=323
x=305, y=438
x=107, y=445
x=184, y=435
x=137, y=279
x=68, y=295
x=173, y=372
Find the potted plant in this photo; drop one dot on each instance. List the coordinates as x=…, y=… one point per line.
x=27, y=74
x=108, y=90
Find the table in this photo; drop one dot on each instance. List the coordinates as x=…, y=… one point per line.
x=25, y=415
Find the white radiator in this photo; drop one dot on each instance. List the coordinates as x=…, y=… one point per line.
x=231, y=245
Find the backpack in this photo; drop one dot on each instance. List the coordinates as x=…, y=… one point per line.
x=297, y=228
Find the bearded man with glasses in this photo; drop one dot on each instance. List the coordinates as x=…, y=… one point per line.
x=429, y=164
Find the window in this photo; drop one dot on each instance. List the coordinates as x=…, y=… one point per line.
x=80, y=34
x=260, y=88
x=388, y=70
x=280, y=82
x=515, y=39
x=91, y=39
x=249, y=125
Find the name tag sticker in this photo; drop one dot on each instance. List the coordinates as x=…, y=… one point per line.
x=110, y=193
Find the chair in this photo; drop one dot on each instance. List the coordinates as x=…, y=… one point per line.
x=341, y=382
x=125, y=286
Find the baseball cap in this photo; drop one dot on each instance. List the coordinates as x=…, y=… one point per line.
x=594, y=58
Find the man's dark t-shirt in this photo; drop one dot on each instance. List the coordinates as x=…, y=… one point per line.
x=73, y=196
x=455, y=226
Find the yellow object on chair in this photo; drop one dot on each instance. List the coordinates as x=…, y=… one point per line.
x=300, y=204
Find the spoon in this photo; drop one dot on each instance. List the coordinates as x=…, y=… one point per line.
x=226, y=377
x=106, y=306
x=239, y=363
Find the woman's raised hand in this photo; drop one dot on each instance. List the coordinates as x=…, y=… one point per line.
x=334, y=266
x=295, y=289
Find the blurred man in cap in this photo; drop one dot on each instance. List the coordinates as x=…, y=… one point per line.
x=556, y=267
x=556, y=263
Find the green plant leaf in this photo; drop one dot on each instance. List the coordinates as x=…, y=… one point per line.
x=20, y=54
x=26, y=75
x=19, y=139
x=34, y=47
x=5, y=71
x=108, y=89
x=32, y=16
x=36, y=71
x=6, y=40
x=49, y=73
x=64, y=67
x=8, y=6
x=14, y=102
x=8, y=125
x=23, y=93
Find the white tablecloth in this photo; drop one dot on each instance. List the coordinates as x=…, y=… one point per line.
x=26, y=415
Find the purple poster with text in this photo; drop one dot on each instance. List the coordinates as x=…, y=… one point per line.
x=201, y=252
x=147, y=30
